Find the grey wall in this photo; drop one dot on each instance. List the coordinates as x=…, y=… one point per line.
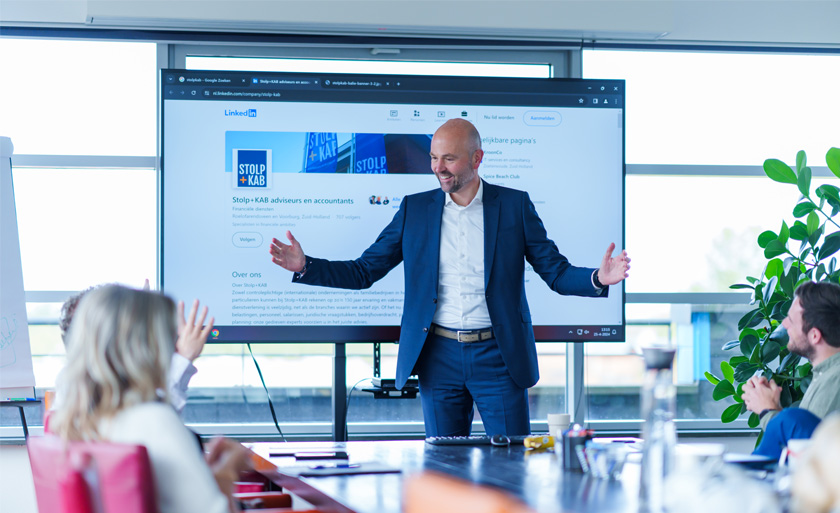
x=811, y=22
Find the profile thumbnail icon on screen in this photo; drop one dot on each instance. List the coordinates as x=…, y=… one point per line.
x=251, y=169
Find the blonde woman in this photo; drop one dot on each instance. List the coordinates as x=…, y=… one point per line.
x=113, y=388
x=188, y=346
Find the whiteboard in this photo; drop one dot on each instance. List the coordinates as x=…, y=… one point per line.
x=15, y=356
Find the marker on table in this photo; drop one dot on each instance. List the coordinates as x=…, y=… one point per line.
x=20, y=399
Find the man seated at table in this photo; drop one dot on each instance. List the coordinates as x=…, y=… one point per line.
x=813, y=326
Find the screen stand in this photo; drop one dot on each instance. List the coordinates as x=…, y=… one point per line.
x=377, y=359
x=339, y=392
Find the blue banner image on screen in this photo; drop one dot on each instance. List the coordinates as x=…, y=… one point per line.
x=321, y=152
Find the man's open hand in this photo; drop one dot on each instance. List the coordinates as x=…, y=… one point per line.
x=288, y=256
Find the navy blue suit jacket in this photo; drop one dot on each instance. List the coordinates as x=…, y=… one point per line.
x=513, y=233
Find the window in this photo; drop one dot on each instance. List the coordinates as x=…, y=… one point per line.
x=713, y=109
x=83, y=173
x=85, y=184
x=80, y=227
x=69, y=97
x=699, y=127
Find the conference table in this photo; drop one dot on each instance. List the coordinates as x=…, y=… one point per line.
x=535, y=478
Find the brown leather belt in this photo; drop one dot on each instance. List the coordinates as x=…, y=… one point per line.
x=463, y=335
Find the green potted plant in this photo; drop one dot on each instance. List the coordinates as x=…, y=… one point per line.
x=798, y=252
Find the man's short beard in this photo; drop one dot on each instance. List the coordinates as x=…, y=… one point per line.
x=455, y=187
x=807, y=351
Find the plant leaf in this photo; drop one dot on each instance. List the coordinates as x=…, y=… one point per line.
x=769, y=351
x=739, y=392
x=774, y=248
x=780, y=334
x=741, y=286
x=830, y=245
x=778, y=171
x=805, y=382
x=770, y=289
x=731, y=413
x=786, y=398
x=774, y=268
x=723, y=389
x=801, y=160
x=729, y=345
x=766, y=237
x=744, y=371
x=832, y=159
x=750, y=319
x=812, y=225
x=804, y=181
x=748, y=344
x=755, y=356
x=806, y=207
x=788, y=363
x=757, y=293
x=777, y=311
x=814, y=237
x=711, y=378
x=753, y=420
x=727, y=371
x=746, y=333
x=798, y=231
x=789, y=280
x=803, y=370
x=828, y=191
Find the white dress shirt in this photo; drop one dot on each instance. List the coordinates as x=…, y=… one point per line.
x=461, y=302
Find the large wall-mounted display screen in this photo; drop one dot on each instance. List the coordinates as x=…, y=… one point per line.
x=248, y=156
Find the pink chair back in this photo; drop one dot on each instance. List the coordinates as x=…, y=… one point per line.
x=91, y=477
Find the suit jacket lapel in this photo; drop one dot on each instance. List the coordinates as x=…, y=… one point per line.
x=491, y=227
x=433, y=247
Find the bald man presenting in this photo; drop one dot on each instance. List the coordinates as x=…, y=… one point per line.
x=466, y=329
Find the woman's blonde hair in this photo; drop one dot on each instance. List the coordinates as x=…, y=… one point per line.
x=119, y=347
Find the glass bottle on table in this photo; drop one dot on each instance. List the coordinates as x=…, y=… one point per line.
x=658, y=401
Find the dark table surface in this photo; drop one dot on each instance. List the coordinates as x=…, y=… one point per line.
x=536, y=478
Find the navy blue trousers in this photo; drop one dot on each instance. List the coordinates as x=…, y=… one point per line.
x=788, y=424
x=453, y=375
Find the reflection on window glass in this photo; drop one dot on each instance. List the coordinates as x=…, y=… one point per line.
x=549, y=394
x=614, y=372
x=699, y=233
x=66, y=97
x=82, y=227
x=465, y=69
x=227, y=388
x=723, y=108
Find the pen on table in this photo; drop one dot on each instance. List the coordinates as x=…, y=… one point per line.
x=20, y=399
x=339, y=465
